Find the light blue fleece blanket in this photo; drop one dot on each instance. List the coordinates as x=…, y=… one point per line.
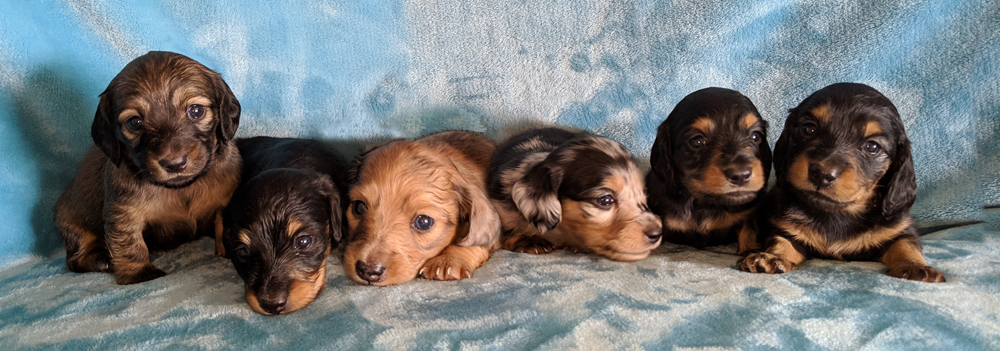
x=350, y=72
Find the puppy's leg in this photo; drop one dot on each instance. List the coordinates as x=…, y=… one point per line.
x=747, y=239
x=455, y=263
x=220, y=249
x=531, y=244
x=780, y=256
x=903, y=259
x=85, y=251
x=129, y=254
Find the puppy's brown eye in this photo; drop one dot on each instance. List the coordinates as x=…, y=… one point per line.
x=134, y=123
x=195, y=111
x=697, y=142
x=422, y=222
x=303, y=242
x=242, y=253
x=606, y=200
x=873, y=147
x=757, y=137
x=807, y=129
x=359, y=208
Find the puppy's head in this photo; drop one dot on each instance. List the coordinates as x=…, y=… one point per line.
x=165, y=115
x=713, y=145
x=409, y=201
x=279, y=229
x=591, y=189
x=844, y=149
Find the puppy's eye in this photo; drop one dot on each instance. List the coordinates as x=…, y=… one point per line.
x=873, y=147
x=807, y=129
x=195, y=111
x=134, y=123
x=303, y=242
x=606, y=200
x=359, y=208
x=757, y=137
x=423, y=222
x=242, y=253
x=697, y=142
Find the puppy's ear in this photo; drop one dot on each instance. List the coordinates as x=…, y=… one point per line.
x=484, y=222
x=326, y=188
x=537, y=195
x=661, y=157
x=765, y=154
x=781, y=151
x=901, y=191
x=104, y=131
x=227, y=107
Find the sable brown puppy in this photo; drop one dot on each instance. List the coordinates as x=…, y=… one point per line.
x=709, y=168
x=845, y=184
x=283, y=220
x=555, y=188
x=420, y=208
x=163, y=167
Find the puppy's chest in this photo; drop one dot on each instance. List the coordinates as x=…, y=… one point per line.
x=196, y=202
x=704, y=223
x=839, y=242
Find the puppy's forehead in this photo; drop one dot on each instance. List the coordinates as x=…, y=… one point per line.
x=402, y=168
x=162, y=77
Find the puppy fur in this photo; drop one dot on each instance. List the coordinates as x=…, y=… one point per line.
x=420, y=208
x=555, y=188
x=163, y=167
x=709, y=167
x=845, y=184
x=283, y=220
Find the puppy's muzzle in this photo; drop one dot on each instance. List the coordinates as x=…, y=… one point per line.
x=272, y=298
x=823, y=176
x=371, y=273
x=175, y=165
x=739, y=175
x=653, y=232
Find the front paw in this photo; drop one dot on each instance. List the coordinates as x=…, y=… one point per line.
x=763, y=262
x=220, y=249
x=532, y=245
x=144, y=274
x=446, y=268
x=913, y=271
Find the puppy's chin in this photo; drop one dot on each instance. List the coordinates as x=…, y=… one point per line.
x=160, y=177
x=821, y=201
x=624, y=256
x=734, y=198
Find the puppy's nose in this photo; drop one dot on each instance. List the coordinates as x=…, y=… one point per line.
x=370, y=273
x=653, y=233
x=738, y=176
x=274, y=305
x=175, y=165
x=823, y=177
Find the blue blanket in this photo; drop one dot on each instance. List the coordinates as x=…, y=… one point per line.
x=354, y=72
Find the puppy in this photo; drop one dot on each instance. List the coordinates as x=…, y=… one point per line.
x=709, y=167
x=283, y=220
x=420, y=208
x=845, y=184
x=555, y=188
x=163, y=167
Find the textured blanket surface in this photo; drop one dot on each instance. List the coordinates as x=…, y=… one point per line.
x=355, y=72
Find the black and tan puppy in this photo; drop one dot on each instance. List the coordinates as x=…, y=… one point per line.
x=555, y=188
x=420, y=208
x=163, y=167
x=709, y=167
x=845, y=184
x=283, y=220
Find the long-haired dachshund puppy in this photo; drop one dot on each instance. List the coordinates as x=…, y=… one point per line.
x=709, y=167
x=420, y=208
x=163, y=167
x=845, y=184
x=283, y=220
x=555, y=188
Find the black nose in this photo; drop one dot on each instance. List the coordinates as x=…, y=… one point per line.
x=823, y=177
x=653, y=233
x=739, y=177
x=174, y=166
x=370, y=273
x=273, y=305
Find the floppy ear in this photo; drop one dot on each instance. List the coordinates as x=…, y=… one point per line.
x=104, y=131
x=661, y=161
x=765, y=154
x=484, y=222
x=326, y=187
x=537, y=195
x=781, y=152
x=227, y=108
x=901, y=191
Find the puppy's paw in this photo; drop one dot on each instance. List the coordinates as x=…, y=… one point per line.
x=532, y=245
x=220, y=249
x=913, y=271
x=146, y=273
x=446, y=268
x=94, y=261
x=763, y=262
